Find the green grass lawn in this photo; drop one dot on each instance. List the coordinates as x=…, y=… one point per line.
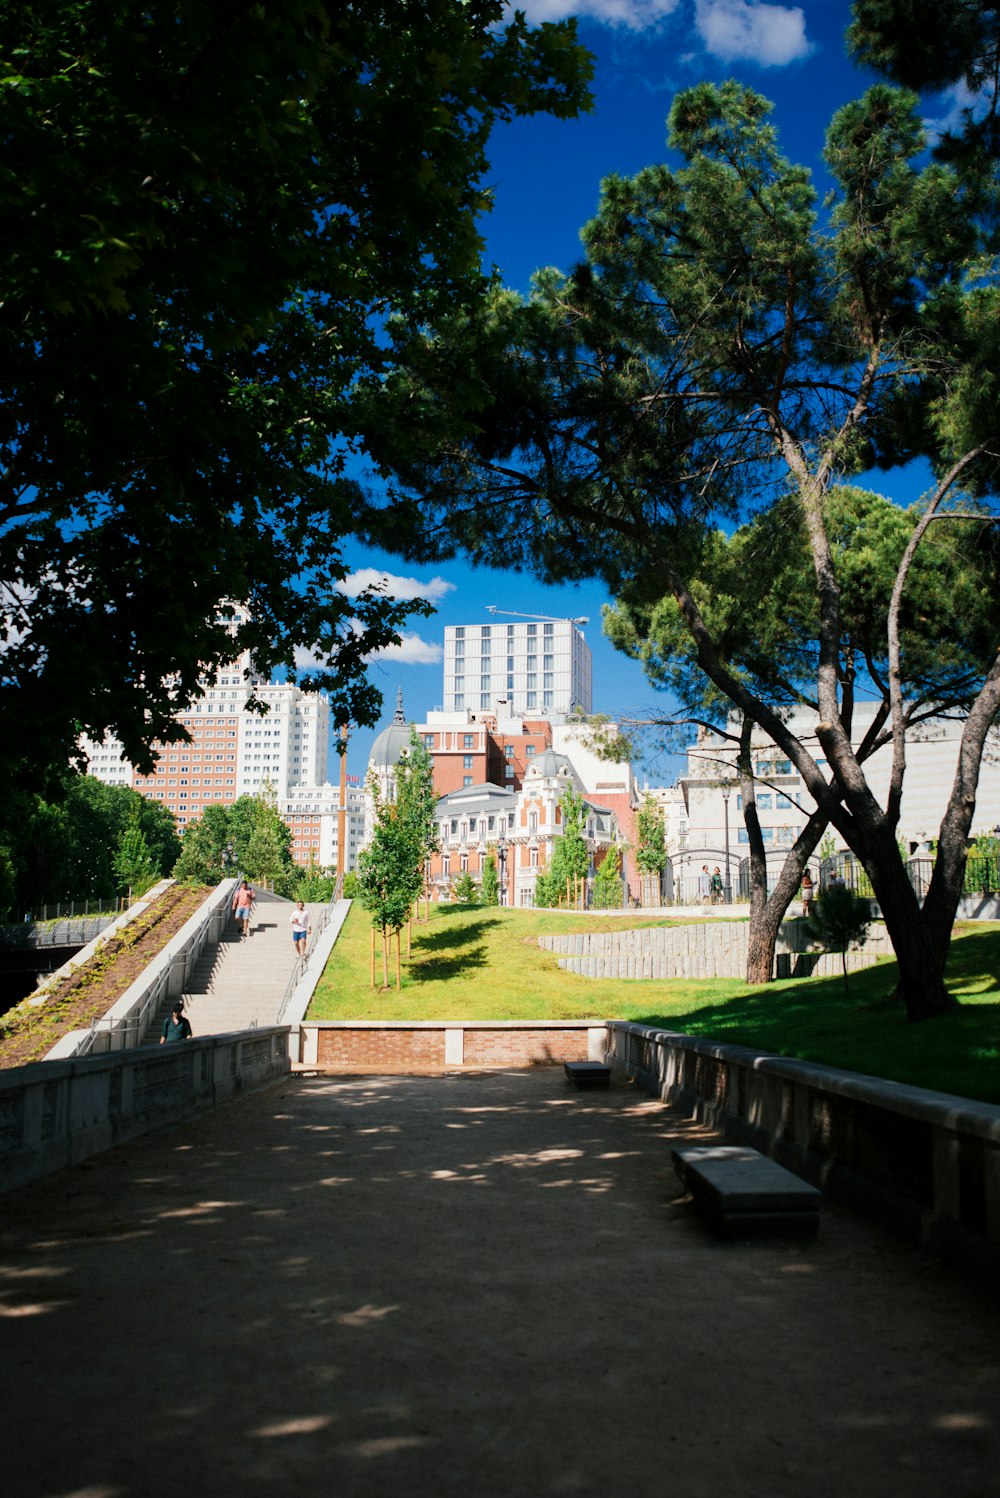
x=470, y=964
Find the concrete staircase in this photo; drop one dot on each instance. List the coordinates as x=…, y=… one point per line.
x=240, y=982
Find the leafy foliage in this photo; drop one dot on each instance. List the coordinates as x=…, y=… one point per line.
x=490, y=883
x=839, y=919
x=569, y=857
x=66, y=849
x=248, y=837
x=208, y=218
x=607, y=892
x=464, y=890
x=651, y=847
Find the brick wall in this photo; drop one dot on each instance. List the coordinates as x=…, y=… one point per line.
x=434, y=1047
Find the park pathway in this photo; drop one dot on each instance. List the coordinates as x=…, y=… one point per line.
x=240, y=982
x=447, y=1287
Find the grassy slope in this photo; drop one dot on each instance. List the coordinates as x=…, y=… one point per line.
x=483, y=964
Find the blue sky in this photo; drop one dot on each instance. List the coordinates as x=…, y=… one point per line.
x=545, y=178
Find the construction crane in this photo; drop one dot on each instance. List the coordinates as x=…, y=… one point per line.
x=491, y=608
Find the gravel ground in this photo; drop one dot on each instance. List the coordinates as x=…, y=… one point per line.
x=480, y=1284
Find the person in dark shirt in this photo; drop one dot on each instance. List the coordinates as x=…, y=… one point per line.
x=177, y=1027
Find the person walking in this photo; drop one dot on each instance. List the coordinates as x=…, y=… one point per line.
x=807, y=892
x=243, y=905
x=177, y=1027
x=301, y=926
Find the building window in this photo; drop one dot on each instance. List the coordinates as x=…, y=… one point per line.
x=532, y=821
x=529, y=750
x=428, y=741
x=533, y=857
x=484, y=700
x=460, y=632
x=466, y=761
x=547, y=629
x=508, y=751
x=466, y=780
x=532, y=699
x=459, y=700
x=468, y=741
x=508, y=772
x=765, y=801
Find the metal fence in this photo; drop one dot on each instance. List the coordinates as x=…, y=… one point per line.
x=71, y=910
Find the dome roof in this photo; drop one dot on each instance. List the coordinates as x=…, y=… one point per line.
x=550, y=765
x=387, y=749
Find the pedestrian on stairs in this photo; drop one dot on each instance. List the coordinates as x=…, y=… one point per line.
x=177, y=1027
x=243, y=905
x=300, y=927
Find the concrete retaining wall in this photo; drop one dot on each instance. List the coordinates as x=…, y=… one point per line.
x=925, y=1165
x=354, y=1046
x=56, y=1113
x=704, y=949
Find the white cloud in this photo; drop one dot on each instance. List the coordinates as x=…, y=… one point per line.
x=412, y=650
x=956, y=101
x=628, y=15
x=737, y=31
x=393, y=586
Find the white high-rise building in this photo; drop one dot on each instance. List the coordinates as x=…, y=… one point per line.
x=535, y=668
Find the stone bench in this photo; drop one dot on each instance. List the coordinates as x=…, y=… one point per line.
x=742, y=1192
x=588, y=1074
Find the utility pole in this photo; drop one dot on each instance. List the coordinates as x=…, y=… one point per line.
x=342, y=808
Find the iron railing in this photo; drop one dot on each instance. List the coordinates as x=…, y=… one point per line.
x=301, y=964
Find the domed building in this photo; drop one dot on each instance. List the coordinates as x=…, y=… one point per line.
x=386, y=753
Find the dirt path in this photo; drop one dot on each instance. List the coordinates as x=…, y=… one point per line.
x=468, y=1285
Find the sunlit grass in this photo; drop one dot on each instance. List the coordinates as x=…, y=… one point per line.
x=476, y=964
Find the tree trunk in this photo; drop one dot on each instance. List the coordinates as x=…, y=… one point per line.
x=373, y=957
x=948, y=880
x=921, y=972
x=765, y=922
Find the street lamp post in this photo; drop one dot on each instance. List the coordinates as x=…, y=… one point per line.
x=725, y=806
x=502, y=860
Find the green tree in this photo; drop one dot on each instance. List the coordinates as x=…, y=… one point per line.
x=937, y=45
x=203, y=855
x=651, y=846
x=607, y=892
x=839, y=919
x=755, y=590
x=464, y=890
x=208, y=219
x=65, y=849
x=390, y=872
x=134, y=862
x=490, y=886
x=718, y=354
x=569, y=857
x=416, y=800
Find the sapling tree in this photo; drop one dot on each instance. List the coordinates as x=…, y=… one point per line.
x=838, y=920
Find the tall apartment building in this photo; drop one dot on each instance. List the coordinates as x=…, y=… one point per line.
x=235, y=751
x=538, y=668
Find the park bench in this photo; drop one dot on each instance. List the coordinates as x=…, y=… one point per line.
x=742, y=1192
x=588, y=1074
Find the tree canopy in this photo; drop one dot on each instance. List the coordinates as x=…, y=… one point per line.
x=720, y=354
x=207, y=218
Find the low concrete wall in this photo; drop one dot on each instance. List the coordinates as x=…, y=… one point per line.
x=354, y=1046
x=925, y=1165
x=56, y=1113
x=704, y=949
